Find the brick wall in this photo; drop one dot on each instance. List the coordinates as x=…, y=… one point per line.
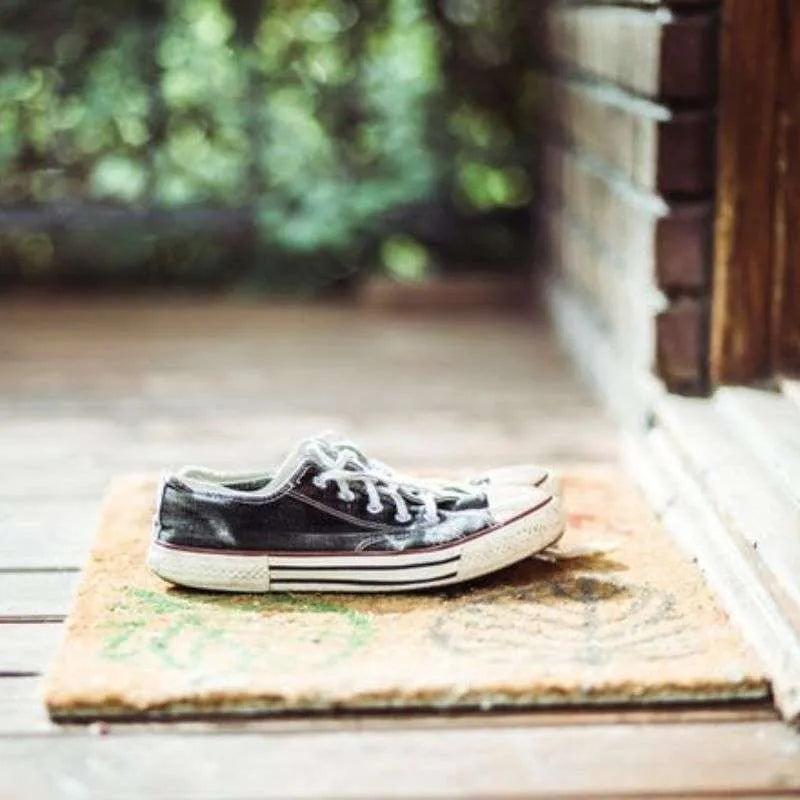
x=625, y=217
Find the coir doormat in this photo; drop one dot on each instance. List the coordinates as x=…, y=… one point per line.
x=636, y=624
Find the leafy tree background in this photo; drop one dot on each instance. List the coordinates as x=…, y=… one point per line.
x=280, y=144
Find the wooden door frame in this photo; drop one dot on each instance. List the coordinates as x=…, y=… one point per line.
x=755, y=308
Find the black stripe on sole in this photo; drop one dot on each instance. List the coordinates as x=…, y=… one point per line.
x=362, y=568
x=356, y=582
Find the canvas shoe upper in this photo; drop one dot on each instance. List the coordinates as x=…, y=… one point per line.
x=532, y=475
x=320, y=523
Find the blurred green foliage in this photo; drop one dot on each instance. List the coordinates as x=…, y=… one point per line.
x=280, y=143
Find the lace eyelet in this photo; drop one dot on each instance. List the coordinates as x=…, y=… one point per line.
x=320, y=484
x=374, y=509
x=402, y=520
x=346, y=498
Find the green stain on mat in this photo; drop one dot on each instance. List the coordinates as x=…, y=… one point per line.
x=229, y=632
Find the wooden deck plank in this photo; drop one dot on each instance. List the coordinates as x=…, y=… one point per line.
x=21, y=708
x=44, y=485
x=115, y=386
x=589, y=761
x=745, y=497
x=731, y=566
x=26, y=648
x=769, y=423
x=35, y=595
x=46, y=534
x=253, y=435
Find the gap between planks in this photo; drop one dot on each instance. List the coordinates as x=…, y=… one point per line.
x=35, y=595
x=28, y=646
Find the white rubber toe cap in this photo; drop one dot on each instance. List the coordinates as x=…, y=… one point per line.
x=508, y=502
x=535, y=475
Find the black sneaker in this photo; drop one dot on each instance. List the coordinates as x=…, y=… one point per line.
x=319, y=524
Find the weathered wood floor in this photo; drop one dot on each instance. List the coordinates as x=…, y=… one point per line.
x=97, y=387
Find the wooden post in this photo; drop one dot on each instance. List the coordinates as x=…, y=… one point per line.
x=744, y=232
x=785, y=320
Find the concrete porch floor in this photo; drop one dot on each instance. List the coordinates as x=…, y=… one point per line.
x=94, y=387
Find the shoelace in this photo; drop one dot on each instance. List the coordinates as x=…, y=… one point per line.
x=376, y=484
x=410, y=484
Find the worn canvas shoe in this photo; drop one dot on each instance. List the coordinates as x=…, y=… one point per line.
x=319, y=524
x=535, y=475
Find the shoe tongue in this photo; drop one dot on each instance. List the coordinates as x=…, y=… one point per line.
x=297, y=459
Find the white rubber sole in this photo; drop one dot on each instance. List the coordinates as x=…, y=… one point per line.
x=480, y=554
